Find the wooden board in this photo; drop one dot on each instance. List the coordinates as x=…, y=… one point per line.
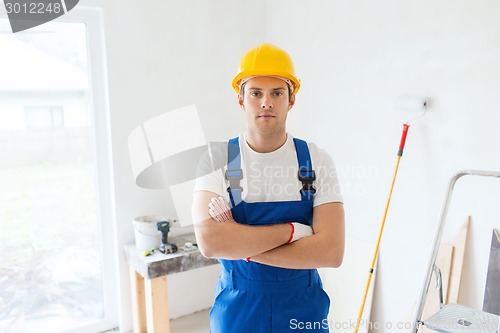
x=492, y=291
x=443, y=261
x=138, y=302
x=450, y=261
x=457, y=262
x=156, y=301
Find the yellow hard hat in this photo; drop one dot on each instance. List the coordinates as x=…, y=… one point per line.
x=266, y=60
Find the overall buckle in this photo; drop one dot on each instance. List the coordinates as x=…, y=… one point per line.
x=234, y=177
x=307, y=177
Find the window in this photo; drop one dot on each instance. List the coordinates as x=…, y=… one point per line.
x=44, y=117
x=55, y=196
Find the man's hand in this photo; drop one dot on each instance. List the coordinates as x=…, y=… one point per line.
x=324, y=248
x=299, y=231
x=219, y=210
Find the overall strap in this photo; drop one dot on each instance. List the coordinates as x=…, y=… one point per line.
x=234, y=173
x=306, y=173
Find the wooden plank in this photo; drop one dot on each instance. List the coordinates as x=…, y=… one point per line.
x=492, y=291
x=157, y=305
x=443, y=261
x=445, y=267
x=138, y=302
x=457, y=262
x=450, y=261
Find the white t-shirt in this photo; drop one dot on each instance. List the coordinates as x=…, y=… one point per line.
x=269, y=177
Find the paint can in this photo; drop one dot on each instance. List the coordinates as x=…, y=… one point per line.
x=147, y=235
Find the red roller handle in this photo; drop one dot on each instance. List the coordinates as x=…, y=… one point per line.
x=403, y=139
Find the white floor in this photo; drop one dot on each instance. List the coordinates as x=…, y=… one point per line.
x=195, y=323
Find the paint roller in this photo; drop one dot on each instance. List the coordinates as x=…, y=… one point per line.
x=375, y=255
x=410, y=107
x=405, y=105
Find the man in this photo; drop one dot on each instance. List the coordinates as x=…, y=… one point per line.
x=286, y=217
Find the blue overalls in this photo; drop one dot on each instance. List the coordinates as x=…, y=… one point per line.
x=257, y=298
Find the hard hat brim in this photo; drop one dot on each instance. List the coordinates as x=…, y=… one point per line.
x=286, y=76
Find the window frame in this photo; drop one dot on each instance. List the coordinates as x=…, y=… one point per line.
x=92, y=17
x=96, y=52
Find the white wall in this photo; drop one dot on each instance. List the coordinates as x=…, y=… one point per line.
x=355, y=58
x=162, y=55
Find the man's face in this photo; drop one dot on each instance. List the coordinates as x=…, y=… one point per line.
x=266, y=103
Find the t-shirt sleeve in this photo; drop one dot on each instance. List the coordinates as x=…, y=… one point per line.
x=210, y=170
x=327, y=182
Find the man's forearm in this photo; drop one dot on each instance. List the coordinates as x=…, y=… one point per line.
x=219, y=236
x=309, y=252
x=230, y=240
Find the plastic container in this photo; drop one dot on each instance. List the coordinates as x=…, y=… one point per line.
x=147, y=235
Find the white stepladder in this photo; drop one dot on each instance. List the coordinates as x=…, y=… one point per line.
x=452, y=318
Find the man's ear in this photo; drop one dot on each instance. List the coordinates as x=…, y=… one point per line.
x=291, y=103
x=240, y=102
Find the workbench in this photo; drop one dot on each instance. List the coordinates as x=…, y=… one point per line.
x=148, y=277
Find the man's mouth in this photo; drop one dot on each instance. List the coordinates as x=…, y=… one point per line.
x=266, y=116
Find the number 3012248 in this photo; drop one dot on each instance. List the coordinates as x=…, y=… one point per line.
x=33, y=8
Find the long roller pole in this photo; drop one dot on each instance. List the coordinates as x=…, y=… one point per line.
x=374, y=260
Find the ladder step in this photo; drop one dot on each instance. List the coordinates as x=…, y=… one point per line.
x=456, y=318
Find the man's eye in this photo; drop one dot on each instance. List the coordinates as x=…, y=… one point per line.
x=256, y=94
x=278, y=93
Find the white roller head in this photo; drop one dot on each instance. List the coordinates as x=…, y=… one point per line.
x=410, y=108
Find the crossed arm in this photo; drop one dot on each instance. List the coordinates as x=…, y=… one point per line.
x=268, y=244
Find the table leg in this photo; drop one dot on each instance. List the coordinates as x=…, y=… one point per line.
x=138, y=302
x=157, y=305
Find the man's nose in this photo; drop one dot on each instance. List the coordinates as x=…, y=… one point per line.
x=266, y=103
